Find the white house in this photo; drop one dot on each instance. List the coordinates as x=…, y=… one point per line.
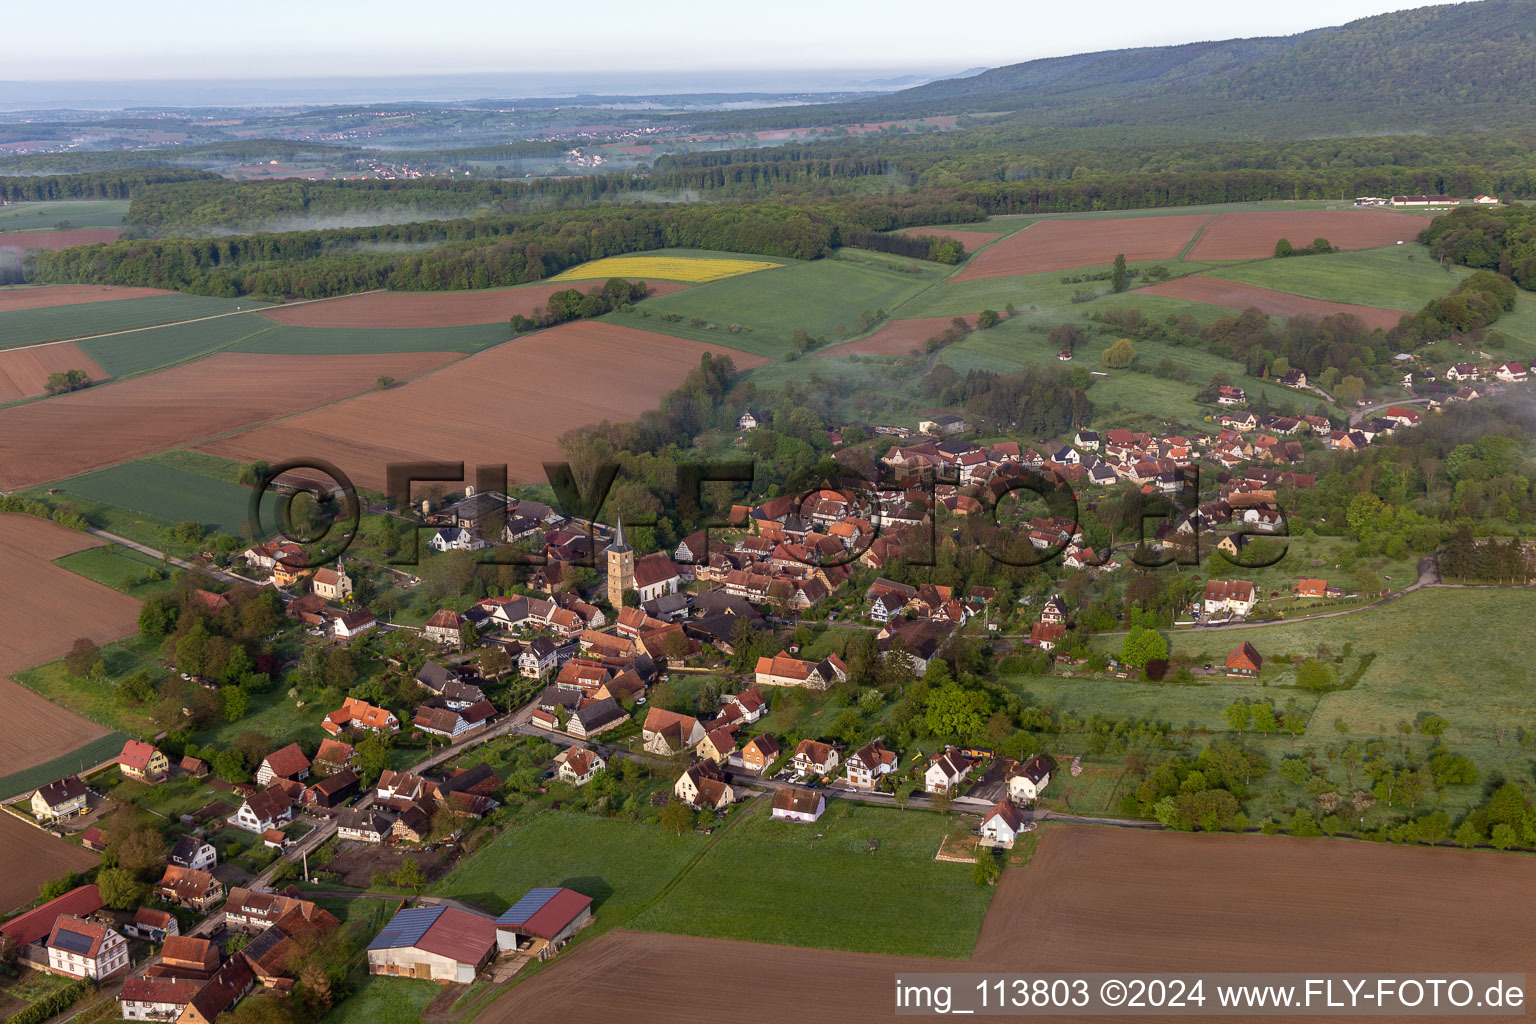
x=655, y=576
x=946, y=771
x=1001, y=825
x=813, y=758
x=194, y=852
x=1027, y=781
x=263, y=810
x=869, y=763
x=1233, y=597
x=85, y=949
x=578, y=765
x=365, y=826
x=538, y=658
x=456, y=538
x=1511, y=373
x=799, y=805
x=63, y=798
x=158, y=999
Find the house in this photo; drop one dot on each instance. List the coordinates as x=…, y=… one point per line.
x=141, y=761
x=543, y=921
x=1463, y=371
x=1232, y=597
x=596, y=718
x=194, y=853
x=151, y=924
x=943, y=426
x=751, y=419
x=185, y=887
x=870, y=762
x=1088, y=440
x=945, y=771
x=538, y=658
x=1001, y=825
x=1054, y=610
x=332, y=790
x=1046, y=635
x=1294, y=379
x=443, y=627
x=158, y=999
x=1486, y=201
x=783, y=669
x=814, y=758
x=1229, y=395
x=1028, y=780
x=434, y=944
x=456, y=538
x=760, y=752
x=220, y=993
x=59, y=800
x=287, y=763
x=718, y=744
x=453, y=724
x=750, y=705
x=358, y=714
x=193, y=766
x=798, y=805
x=184, y=956
x=1511, y=373
x=353, y=622
x=656, y=575
x=1244, y=661
x=263, y=810
x=1311, y=588
x=332, y=584
x=85, y=949
x=578, y=765
x=333, y=756
x=668, y=732
x=364, y=825
x=703, y=786
x=94, y=838
x=35, y=925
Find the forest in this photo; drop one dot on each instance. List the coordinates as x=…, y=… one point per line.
x=1502, y=240
x=95, y=185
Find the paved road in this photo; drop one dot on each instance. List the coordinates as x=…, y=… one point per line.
x=1360, y=414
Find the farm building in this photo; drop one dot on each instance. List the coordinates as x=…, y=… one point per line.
x=434, y=943
x=543, y=921
x=35, y=924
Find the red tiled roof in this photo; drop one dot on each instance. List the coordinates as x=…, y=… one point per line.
x=288, y=761
x=36, y=924
x=136, y=754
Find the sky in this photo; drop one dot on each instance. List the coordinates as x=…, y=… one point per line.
x=106, y=40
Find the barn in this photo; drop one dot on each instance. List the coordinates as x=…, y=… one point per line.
x=434, y=943
x=542, y=920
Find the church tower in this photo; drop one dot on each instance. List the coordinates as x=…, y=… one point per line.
x=621, y=568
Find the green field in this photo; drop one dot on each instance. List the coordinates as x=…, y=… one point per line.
x=119, y=568
x=622, y=865
x=200, y=463
x=286, y=340
x=122, y=354
x=94, y=700
x=1045, y=292
x=54, y=323
x=172, y=495
x=817, y=296
x=819, y=885
x=1401, y=277
x=93, y=753
x=95, y=213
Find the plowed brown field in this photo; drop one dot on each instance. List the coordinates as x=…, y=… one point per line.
x=1065, y=244
x=69, y=295
x=972, y=240
x=896, y=338
x=509, y=404
x=113, y=423
x=1252, y=235
x=46, y=608
x=1105, y=900
x=1235, y=295
x=431, y=309
x=29, y=857
x=24, y=371
x=51, y=240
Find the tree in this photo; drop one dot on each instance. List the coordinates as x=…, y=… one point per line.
x=986, y=318
x=955, y=711
x=469, y=636
x=1119, y=355
x=83, y=657
x=1321, y=245
x=119, y=889
x=1433, y=725
x=188, y=531
x=1316, y=675
x=409, y=874
x=1466, y=835
x=1141, y=645
x=157, y=616
x=1284, y=248
x=1239, y=715
x=385, y=383
x=236, y=703
x=495, y=662
x=677, y=817
x=371, y=757
x=987, y=869
x=137, y=689
x=1503, y=836
x=1119, y=277
x=1350, y=390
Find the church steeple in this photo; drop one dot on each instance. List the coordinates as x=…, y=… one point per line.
x=618, y=540
x=621, y=567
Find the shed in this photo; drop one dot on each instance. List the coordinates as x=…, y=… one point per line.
x=550, y=915
x=434, y=943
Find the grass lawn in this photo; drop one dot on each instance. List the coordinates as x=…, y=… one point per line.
x=378, y=998
x=1519, y=326
x=123, y=354
x=51, y=323
x=1401, y=277
x=173, y=495
x=1199, y=704
x=273, y=714
x=119, y=568
x=45, y=216
x=288, y=340
x=622, y=865
x=94, y=700
x=819, y=885
x=819, y=296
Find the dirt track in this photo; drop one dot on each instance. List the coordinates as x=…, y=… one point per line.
x=1252, y=235
x=29, y=857
x=1238, y=296
x=45, y=609
x=431, y=309
x=1068, y=244
x=24, y=371
x=509, y=404
x=896, y=338
x=69, y=295
x=1097, y=899
x=102, y=426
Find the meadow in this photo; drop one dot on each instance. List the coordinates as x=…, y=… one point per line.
x=158, y=347
x=822, y=878
x=289, y=340
x=97, y=213
x=1402, y=277
x=55, y=323
x=1043, y=292
x=118, y=567
x=172, y=495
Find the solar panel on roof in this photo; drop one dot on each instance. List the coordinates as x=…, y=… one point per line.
x=523, y=909
x=73, y=942
x=406, y=928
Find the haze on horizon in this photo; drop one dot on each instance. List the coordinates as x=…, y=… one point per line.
x=157, y=40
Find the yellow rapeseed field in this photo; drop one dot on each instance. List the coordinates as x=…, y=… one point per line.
x=670, y=268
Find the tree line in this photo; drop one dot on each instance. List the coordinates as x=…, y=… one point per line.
x=95, y=185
